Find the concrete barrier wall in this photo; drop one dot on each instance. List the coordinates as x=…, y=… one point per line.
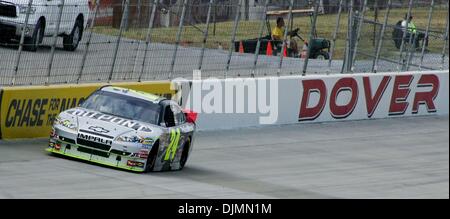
x=319, y=98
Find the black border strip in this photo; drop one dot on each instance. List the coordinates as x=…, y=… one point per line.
x=1, y=101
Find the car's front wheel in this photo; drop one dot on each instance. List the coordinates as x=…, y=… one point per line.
x=32, y=43
x=151, y=160
x=70, y=42
x=185, y=153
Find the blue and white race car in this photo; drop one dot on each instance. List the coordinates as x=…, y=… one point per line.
x=127, y=129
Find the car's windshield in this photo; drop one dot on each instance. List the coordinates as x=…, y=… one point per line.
x=123, y=106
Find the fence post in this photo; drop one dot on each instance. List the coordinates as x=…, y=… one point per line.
x=178, y=38
x=233, y=37
x=349, y=43
x=137, y=22
x=215, y=19
x=22, y=39
x=88, y=43
x=427, y=31
x=445, y=42
x=411, y=51
x=405, y=31
x=336, y=31
x=376, y=11
x=258, y=44
x=149, y=36
x=205, y=35
x=55, y=39
x=127, y=6
x=311, y=36
x=116, y=49
x=380, y=40
x=358, y=34
x=284, y=46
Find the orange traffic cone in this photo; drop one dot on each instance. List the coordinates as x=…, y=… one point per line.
x=241, y=47
x=269, y=51
x=285, y=51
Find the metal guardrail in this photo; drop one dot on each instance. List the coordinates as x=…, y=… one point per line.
x=138, y=40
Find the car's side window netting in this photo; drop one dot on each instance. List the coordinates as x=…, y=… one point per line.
x=169, y=118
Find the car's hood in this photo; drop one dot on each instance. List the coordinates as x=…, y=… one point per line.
x=102, y=128
x=94, y=122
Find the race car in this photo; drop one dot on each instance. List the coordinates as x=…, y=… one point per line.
x=127, y=129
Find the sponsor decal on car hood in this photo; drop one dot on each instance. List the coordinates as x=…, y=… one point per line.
x=85, y=118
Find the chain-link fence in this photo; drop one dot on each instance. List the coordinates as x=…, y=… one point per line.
x=81, y=41
x=389, y=46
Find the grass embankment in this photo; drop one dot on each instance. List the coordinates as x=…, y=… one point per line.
x=192, y=36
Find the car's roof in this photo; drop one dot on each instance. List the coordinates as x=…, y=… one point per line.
x=134, y=93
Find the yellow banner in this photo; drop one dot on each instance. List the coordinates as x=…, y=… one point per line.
x=28, y=112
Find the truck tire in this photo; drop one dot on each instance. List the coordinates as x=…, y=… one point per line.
x=32, y=43
x=70, y=42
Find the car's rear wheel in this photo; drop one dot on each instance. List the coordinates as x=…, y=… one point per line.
x=151, y=160
x=70, y=42
x=185, y=153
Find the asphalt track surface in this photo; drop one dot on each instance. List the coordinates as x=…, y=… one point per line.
x=394, y=158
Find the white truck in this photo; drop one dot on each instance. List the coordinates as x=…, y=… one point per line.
x=43, y=21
